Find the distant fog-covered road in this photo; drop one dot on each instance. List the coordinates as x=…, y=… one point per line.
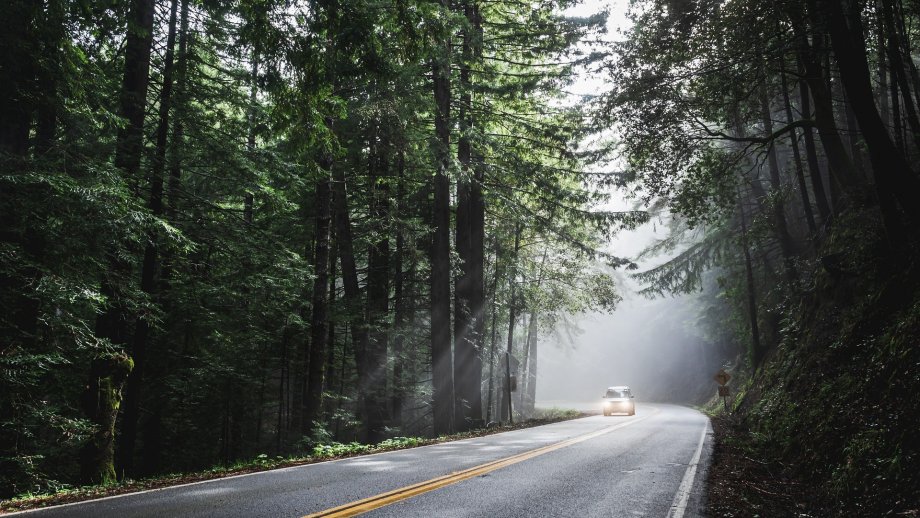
x=652, y=464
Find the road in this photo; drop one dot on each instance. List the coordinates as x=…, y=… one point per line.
x=651, y=464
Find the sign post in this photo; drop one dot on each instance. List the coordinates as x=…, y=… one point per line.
x=722, y=378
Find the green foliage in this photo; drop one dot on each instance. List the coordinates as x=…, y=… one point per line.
x=556, y=414
x=203, y=264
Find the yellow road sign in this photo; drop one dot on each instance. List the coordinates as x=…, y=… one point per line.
x=722, y=377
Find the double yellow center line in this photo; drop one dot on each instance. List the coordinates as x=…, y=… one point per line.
x=390, y=497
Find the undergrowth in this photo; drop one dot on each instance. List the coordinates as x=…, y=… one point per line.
x=835, y=406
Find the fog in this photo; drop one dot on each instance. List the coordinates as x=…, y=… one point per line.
x=654, y=346
x=649, y=345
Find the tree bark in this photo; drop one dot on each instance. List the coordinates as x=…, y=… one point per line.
x=178, y=130
x=18, y=69
x=248, y=197
x=907, y=51
x=797, y=159
x=841, y=168
x=28, y=83
x=378, y=292
x=494, y=341
x=512, y=319
x=529, y=367
x=477, y=292
x=757, y=349
x=400, y=302
x=900, y=79
x=895, y=182
x=319, y=301
x=133, y=98
x=441, y=368
x=111, y=324
x=101, y=402
x=884, y=109
x=467, y=380
x=329, y=378
x=151, y=260
x=48, y=73
x=353, y=303
x=326, y=201
x=814, y=168
x=777, y=206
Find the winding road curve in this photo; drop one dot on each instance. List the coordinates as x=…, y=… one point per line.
x=651, y=464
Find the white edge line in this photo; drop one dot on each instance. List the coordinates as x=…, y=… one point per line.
x=275, y=470
x=679, y=505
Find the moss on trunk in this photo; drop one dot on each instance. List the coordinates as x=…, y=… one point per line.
x=102, y=400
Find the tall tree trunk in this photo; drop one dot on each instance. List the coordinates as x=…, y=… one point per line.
x=30, y=67
x=178, y=127
x=853, y=139
x=777, y=206
x=354, y=313
x=283, y=374
x=441, y=368
x=757, y=349
x=101, y=401
x=884, y=109
x=151, y=261
x=814, y=168
x=133, y=99
x=18, y=69
x=797, y=158
x=378, y=292
x=896, y=184
x=248, y=197
x=48, y=76
x=530, y=365
x=512, y=319
x=128, y=152
x=898, y=68
x=907, y=51
x=400, y=300
x=325, y=202
x=329, y=378
x=466, y=380
x=897, y=129
x=841, y=168
x=320, y=300
x=476, y=270
x=494, y=340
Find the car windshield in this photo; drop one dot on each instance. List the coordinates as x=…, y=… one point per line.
x=617, y=393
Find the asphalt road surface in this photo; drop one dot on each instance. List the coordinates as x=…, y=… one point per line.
x=651, y=464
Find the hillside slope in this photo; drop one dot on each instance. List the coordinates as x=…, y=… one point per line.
x=828, y=426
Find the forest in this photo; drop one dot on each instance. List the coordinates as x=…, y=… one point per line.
x=252, y=227
x=236, y=228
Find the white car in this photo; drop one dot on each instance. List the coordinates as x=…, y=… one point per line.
x=619, y=400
